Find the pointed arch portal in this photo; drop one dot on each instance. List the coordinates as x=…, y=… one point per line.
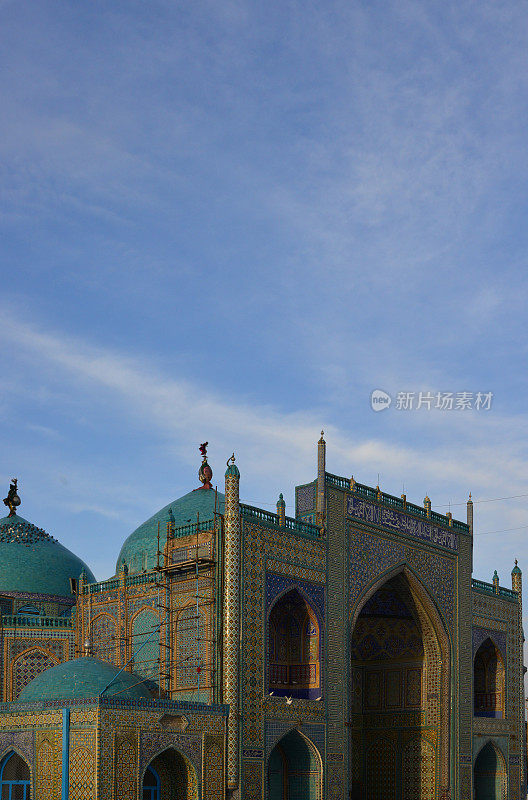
x=399, y=718
x=294, y=769
x=15, y=782
x=169, y=776
x=490, y=774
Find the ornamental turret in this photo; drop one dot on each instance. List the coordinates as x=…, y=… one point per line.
x=281, y=510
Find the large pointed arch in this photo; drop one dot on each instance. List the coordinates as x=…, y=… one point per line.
x=427, y=685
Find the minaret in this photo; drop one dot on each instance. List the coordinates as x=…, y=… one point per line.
x=470, y=514
x=231, y=621
x=516, y=576
x=321, y=469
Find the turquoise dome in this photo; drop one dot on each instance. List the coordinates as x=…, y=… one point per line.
x=33, y=561
x=140, y=549
x=81, y=678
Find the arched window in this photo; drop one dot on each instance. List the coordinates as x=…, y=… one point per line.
x=151, y=785
x=488, y=681
x=294, y=648
x=14, y=778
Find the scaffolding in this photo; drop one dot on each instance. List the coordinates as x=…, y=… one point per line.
x=122, y=650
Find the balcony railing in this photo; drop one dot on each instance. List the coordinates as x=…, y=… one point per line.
x=294, y=675
x=394, y=502
x=291, y=524
x=488, y=704
x=35, y=621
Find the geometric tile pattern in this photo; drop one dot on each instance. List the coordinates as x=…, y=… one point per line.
x=125, y=770
x=82, y=775
x=145, y=643
x=231, y=633
x=27, y=666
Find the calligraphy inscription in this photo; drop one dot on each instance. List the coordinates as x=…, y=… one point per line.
x=394, y=520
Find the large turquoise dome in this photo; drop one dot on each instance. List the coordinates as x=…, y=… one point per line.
x=140, y=549
x=81, y=678
x=33, y=561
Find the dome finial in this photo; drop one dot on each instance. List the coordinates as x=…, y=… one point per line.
x=12, y=501
x=205, y=473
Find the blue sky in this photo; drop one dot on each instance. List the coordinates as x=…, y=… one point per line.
x=233, y=221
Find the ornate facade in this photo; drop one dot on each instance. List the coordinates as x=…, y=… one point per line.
x=344, y=653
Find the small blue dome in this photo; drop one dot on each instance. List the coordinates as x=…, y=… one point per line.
x=140, y=550
x=81, y=678
x=33, y=561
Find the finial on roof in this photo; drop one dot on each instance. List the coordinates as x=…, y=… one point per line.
x=232, y=469
x=12, y=501
x=321, y=440
x=205, y=473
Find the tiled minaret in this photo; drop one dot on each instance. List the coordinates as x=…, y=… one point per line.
x=321, y=468
x=517, y=587
x=231, y=622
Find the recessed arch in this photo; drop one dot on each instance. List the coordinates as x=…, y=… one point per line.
x=489, y=773
x=294, y=768
x=15, y=777
x=192, y=651
x=176, y=776
x=103, y=635
x=489, y=681
x=145, y=651
x=294, y=646
x=27, y=665
x=400, y=663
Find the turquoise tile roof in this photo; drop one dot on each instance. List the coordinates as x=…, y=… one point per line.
x=140, y=549
x=81, y=678
x=33, y=561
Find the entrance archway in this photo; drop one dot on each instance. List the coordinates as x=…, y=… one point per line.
x=15, y=781
x=294, y=770
x=490, y=774
x=169, y=776
x=399, y=705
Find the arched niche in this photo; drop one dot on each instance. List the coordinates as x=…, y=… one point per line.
x=294, y=648
x=489, y=675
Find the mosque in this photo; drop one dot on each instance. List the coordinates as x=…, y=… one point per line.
x=343, y=653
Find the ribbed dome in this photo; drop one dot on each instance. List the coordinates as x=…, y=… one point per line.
x=81, y=678
x=140, y=549
x=33, y=561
